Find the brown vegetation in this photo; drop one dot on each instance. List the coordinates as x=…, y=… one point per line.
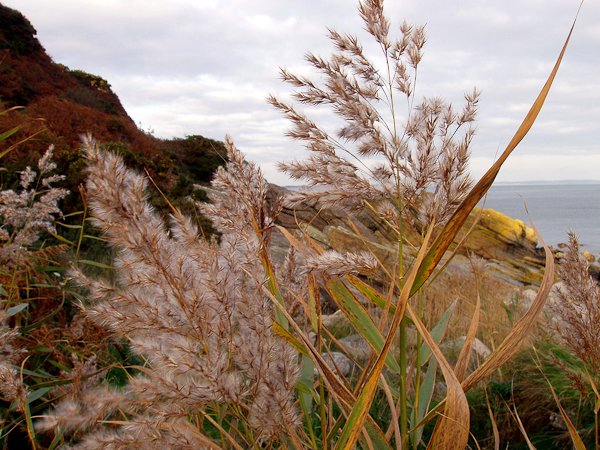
x=232, y=347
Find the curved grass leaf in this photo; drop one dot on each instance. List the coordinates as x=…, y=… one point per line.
x=360, y=319
x=360, y=411
x=511, y=343
x=452, y=429
x=453, y=226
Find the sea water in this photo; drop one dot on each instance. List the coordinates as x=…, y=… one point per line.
x=554, y=209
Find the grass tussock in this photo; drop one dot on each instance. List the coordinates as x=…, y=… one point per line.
x=222, y=347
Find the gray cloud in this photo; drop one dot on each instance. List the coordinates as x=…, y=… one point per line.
x=205, y=67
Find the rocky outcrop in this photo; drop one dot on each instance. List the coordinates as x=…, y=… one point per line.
x=60, y=102
x=508, y=245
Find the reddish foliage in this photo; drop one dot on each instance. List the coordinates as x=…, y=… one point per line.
x=69, y=102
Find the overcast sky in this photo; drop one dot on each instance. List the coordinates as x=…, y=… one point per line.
x=184, y=67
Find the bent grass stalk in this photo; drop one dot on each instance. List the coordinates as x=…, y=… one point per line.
x=444, y=438
x=204, y=303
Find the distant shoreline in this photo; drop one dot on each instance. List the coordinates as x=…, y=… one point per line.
x=546, y=183
x=511, y=183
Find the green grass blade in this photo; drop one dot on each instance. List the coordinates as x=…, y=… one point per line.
x=13, y=310
x=9, y=133
x=37, y=394
x=57, y=439
x=425, y=396
x=360, y=410
x=274, y=289
x=360, y=319
x=305, y=395
x=437, y=333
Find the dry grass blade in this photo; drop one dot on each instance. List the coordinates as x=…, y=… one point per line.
x=596, y=407
x=515, y=414
x=394, y=411
x=452, y=227
x=462, y=363
x=510, y=345
x=575, y=438
x=459, y=244
x=295, y=242
x=493, y=422
x=360, y=411
x=574, y=435
x=452, y=430
x=592, y=384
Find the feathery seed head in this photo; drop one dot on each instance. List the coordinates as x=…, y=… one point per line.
x=195, y=310
x=422, y=157
x=578, y=306
x=335, y=264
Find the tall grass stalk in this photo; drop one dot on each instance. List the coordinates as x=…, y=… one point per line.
x=410, y=174
x=576, y=311
x=237, y=350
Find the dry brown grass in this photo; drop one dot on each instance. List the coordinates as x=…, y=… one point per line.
x=226, y=362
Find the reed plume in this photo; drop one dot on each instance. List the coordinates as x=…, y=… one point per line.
x=577, y=306
x=413, y=165
x=194, y=309
x=12, y=388
x=26, y=213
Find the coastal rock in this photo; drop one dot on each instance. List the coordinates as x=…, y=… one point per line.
x=588, y=256
x=508, y=245
x=356, y=346
x=338, y=362
x=479, y=351
x=338, y=324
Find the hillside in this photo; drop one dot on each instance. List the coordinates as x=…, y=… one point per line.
x=60, y=104
x=69, y=101
x=65, y=103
